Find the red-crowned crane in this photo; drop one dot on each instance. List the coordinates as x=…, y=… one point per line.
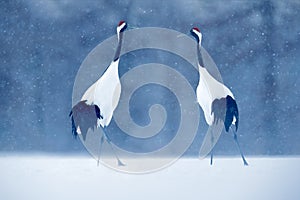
x=215, y=99
x=98, y=103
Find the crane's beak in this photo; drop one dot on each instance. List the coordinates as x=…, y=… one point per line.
x=131, y=27
x=182, y=35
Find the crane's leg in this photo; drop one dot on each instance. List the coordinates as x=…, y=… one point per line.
x=211, y=156
x=237, y=142
x=113, y=150
x=101, y=143
x=212, y=150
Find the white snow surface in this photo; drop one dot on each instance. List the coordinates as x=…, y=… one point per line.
x=69, y=177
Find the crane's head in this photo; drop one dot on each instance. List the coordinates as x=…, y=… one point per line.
x=121, y=26
x=197, y=34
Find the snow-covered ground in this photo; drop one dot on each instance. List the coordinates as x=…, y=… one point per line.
x=36, y=177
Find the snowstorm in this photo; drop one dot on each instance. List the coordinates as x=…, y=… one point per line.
x=45, y=51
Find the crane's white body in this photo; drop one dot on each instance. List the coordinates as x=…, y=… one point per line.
x=98, y=103
x=207, y=91
x=105, y=93
x=209, y=88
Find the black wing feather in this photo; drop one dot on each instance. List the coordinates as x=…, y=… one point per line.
x=84, y=116
x=231, y=111
x=225, y=109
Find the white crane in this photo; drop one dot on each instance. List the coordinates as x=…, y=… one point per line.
x=215, y=99
x=98, y=103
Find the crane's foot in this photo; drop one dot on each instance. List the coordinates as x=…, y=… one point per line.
x=120, y=163
x=244, y=160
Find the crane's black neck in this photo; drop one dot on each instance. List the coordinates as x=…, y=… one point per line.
x=199, y=54
x=118, y=51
